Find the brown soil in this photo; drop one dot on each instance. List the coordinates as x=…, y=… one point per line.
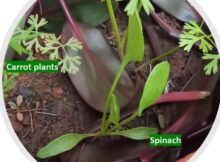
x=61, y=110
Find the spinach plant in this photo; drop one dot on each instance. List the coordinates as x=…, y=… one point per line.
x=194, y=34
x=153, y=89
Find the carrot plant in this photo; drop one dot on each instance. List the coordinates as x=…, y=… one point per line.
x=30, y=40
x=195, y=35
x=8, y=82
x=154, y=87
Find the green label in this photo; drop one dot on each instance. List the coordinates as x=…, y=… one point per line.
x=32, y=66
x=171, y=140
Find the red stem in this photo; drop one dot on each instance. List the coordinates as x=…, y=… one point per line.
x=30, y=11
x=77, y=31
x=171, y=98
x=152, y=36
x=168, y=28
x=182, y=96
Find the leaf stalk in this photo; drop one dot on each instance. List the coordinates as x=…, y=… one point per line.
x=116, y=29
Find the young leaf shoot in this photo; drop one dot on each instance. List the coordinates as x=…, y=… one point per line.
x=61, y=144
x=140, y=133
x=154, y=86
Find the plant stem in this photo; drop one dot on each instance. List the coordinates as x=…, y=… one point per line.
x=124, y=122
x=76, y=29
x=120, y=71
x=209, y=37
x=182, y=96
x=133, y=116
x=106, y=108
x=115, y=28
x=167, y=53
x=171, y=97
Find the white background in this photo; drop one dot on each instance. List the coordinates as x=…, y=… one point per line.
x=11, y=152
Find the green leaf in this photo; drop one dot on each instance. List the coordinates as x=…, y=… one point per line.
x=187, y=41
x=135, y=40
x=205, y=46
x=115, y=110
x=18, y=48
x=91, y=12
x=131, y=7
x=194, y=34
x=8, y=81
x=53, y=45
x=140, y=133
x=148, y=7
x=70, y=64
x=34, y=20
x=33, y=44
x=61, y=144
x=211, y=67
x=73, y=44
x=154, y=85
x=25, y=40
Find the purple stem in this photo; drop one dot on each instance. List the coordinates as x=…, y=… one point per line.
x=77, y=31
x=152, y=36
x=30, y=10
x=168, y=28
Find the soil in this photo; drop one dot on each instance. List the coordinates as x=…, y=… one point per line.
x=52, y=106
x=60, y=110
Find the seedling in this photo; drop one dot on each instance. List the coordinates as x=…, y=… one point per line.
x=16, y=106
x=8, y=82
x=24, y=41
x=194, y=35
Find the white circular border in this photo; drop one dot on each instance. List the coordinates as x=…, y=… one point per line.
x=215, y=126
x=7, y=121
x=4, y=114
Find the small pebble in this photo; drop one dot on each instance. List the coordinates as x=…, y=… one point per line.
x=25, y=92
x=57, y=91
x=20, y=116
x=161, y=120
x=19, y=100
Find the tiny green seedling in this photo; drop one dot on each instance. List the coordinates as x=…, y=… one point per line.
x=8, y=82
